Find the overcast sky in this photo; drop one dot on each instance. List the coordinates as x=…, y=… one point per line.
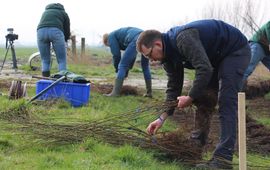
x=92, y=18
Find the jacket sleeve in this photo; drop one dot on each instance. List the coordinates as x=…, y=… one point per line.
x=67, y=27
x=175, y=83
x=189, y=44
x=115, y=50
x=268, y=34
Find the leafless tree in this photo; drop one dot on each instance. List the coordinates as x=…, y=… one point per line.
x=246, y=15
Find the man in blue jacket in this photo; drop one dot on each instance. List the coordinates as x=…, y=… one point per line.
x=125, y=39
x=53, y=29
x=219, y=53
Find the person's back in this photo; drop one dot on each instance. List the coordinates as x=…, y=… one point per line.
x=260, y=50
x=53, y=29
x=55, y=16
x=125, y=39
x=262, y=36
x=217, y=37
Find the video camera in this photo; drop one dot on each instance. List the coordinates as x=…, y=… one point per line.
x=10, y=36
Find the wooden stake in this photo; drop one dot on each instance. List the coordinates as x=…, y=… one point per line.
x=82, y=49
x=242, y=131
x=73, y=47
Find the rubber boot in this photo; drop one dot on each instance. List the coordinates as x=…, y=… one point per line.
x=46, y=73
x=148, y=84
x=116, y=89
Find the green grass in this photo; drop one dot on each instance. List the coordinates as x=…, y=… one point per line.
x=18, y=152
x=93, y=71
x=22, y=53
x=267, y=96
x=87, y=155
x=100, y=52
x=265, y=121
x=261, y=114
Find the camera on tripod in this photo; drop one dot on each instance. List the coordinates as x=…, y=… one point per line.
x=10, y=36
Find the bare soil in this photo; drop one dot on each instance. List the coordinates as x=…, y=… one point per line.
x=107, y=88
x=258, y=135
x=257, y=88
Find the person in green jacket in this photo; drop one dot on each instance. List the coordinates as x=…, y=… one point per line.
x=260, y=49
x=53, y=29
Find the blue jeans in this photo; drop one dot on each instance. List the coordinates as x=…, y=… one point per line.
x=230, y=75
x=128, y=59
x=47, y=36
x=257, y=55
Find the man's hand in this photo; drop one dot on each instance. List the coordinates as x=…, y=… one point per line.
x=184, y=101
x=154, y=126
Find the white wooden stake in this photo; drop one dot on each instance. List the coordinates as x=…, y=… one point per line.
x=242, y=131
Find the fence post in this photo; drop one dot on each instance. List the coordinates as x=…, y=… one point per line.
x=82, y=48
x=73, y=47
x=242, y=131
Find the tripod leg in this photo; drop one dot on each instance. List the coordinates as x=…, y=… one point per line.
x=14, y=60
x=4, y=59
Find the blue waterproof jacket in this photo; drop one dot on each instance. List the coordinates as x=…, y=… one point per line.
x=119, y=40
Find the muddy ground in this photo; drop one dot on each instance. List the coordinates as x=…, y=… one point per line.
x=258, y=135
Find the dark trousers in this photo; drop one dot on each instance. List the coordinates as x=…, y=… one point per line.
x=230, y=75
x=225, y=84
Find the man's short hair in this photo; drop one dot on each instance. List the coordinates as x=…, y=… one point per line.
x=147, y=39
x=105, y=39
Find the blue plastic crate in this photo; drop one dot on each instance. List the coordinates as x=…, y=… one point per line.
x=75, y=93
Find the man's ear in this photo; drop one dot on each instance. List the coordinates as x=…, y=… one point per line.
x=158, y=43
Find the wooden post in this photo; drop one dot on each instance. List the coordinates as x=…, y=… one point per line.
x=242, y=131
x=73, y=47
x=82, y=48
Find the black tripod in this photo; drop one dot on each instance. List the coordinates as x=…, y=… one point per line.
x=9, y=45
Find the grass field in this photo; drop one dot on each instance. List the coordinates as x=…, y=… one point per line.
x=21, y=150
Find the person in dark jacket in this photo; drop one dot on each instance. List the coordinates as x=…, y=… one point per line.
x=125, y=39
x=219, y=53
x=53, y=29
x=260, y=49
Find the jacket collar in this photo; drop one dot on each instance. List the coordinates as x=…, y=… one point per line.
x=169, y=52
x=165, y=45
